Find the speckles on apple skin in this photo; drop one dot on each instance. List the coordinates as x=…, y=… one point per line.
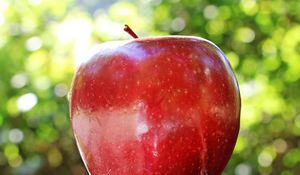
x=207, y=72
x=156, y=113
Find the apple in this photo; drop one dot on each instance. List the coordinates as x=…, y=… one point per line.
x=155, y=106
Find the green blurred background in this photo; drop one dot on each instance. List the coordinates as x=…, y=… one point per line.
x=42, y=41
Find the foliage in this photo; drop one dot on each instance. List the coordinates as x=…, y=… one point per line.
x=42, y=41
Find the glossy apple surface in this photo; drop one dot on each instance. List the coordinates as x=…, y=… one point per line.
x=155, y=106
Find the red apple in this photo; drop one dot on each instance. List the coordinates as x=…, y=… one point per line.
x=156, y=106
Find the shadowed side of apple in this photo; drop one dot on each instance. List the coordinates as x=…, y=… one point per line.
x=161, y=105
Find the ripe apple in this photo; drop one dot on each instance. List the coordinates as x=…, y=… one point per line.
x=155, y=106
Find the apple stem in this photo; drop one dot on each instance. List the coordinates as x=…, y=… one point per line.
x=130, y=31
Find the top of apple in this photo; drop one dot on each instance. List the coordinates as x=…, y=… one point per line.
x=136, y=37
x=127, y=46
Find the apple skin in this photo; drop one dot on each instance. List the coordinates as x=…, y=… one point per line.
x=155, y=106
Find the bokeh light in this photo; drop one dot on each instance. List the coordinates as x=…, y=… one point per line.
x=42, y=43
x=26, y=102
